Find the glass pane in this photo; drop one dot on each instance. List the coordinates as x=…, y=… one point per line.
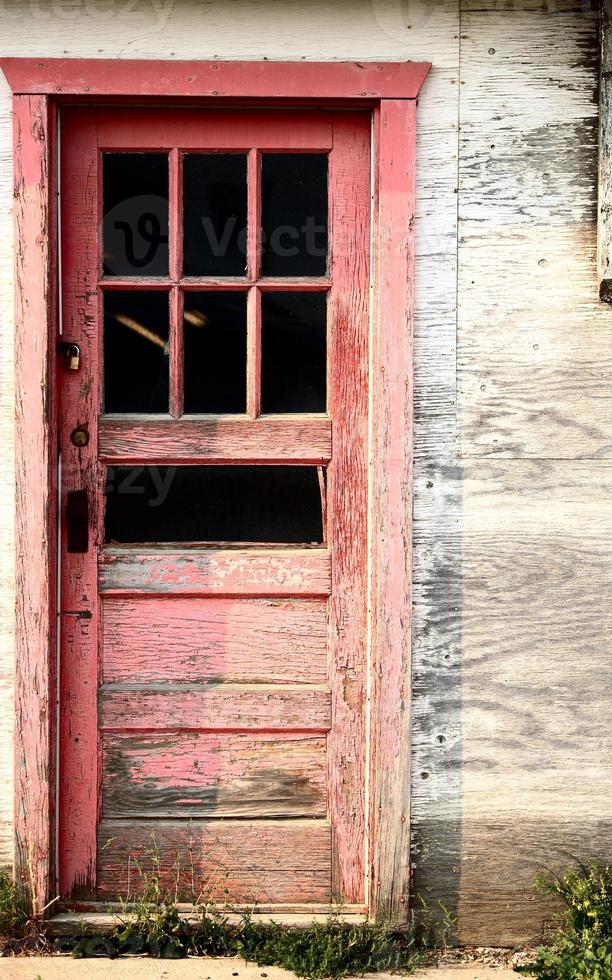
x=214, y=214
x=215, y=352
x=294, y=352
x=135, y=192
x=294, y=214
x=136, y=331
x=276, y=504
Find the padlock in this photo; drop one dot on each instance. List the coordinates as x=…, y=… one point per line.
x=72, y=352
x=75, y=359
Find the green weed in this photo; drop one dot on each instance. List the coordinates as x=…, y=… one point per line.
x=12, y=913
x=581, y=948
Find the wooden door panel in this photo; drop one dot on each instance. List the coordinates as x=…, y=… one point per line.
x=195, y=774
x=214, y=707
x=216, y=571
x=225, y=697
x=194, y=640
x=275, y=861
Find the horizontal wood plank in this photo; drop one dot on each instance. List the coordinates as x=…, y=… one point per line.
x=193, y=774
x=227, y=79
x=164, y=441
x=285, y=861
x=214, y=707
x=226, y=571
x=189, y=639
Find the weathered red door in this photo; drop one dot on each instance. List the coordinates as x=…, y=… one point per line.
x=213, y=436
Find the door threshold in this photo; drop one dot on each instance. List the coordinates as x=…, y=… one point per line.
x=74, y=922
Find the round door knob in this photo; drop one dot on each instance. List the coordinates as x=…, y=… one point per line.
x=80, y=437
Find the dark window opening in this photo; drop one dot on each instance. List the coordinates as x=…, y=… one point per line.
x=294, y=352
x=136, y=330
x=199, y=504
x=215, y=352
x=214, y=214
x=294, y=214
x=135, y=204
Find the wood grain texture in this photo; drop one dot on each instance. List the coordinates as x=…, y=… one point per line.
x=181, y=774
x=269, y=641
x=214, y=707
x=534, y=366
x=7, y=486
x=492, y=888
x=216, y=572
x=35, y=485
x=604, y=185
x=281, y=861
x=510, y=686
x=79, y=404
x=391, y=487
x=347, y=498
x=219, y=440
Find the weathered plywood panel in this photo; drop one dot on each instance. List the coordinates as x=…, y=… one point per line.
x=534, y=360
x=534, y=365
x=491, y=887
x=215, y=707
x=222, y=640
x=262, y=861
x=195, y=774
x=511, y=687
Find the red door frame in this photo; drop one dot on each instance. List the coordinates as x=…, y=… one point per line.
x=390, y=91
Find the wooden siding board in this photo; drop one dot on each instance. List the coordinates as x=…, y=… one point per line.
x=532, y=383
x=227, y=775
x=219, y=640
x=511, y=688
x=491, y=889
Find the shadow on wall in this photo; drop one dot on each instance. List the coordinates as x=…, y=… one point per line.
x=437, y=689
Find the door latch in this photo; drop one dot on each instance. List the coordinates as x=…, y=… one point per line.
x=72, y=352
x=77, y=521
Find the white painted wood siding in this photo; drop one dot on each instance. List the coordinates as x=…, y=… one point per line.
x=513, y=402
